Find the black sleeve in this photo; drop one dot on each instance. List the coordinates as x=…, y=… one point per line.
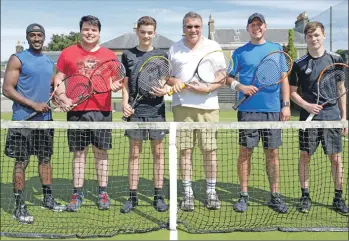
x=294, y=76
x=125, y=63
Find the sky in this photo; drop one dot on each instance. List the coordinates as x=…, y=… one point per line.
x=119, y=16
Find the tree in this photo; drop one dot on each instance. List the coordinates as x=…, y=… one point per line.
x=343, y=53
x=61, y=41
x=291, y=49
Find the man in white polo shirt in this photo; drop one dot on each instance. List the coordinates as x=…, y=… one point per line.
x=198, y=102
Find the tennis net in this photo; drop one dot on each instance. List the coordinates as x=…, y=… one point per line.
x=88, y=221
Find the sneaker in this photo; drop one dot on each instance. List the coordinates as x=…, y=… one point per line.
x=22, y=215
x=277, y=204
x=103, y=201
x=242, y=204
x=340, y=206
x=305, y=203
x=212, y=202
x=160, y=205
x=50, y=203
x=76, y=202
x=129, y=205
x=188, y=203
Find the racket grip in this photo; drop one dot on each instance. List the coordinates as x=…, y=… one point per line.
x=310, y=117
x=235, y=107
x=171, y=92
x=30, y=116
x=124, y=118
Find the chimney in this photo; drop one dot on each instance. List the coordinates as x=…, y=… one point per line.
x=19, y=47
x=211, y=28
x=134, y=27
x=302, y=20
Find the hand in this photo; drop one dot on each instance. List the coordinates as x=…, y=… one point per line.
x=116, y=85
x=158, y=91
x=344, y=130
x=178, y=86
x=285, y=113
x=127, y=110
x=198, y=87
x=41, y=107
x=65, y=103
x=248, y=89
x=313, y=108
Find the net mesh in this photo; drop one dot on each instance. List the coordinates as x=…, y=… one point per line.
x=91, y=222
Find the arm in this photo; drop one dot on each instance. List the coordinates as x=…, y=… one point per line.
x=10, y=81
x=342, y=100
x=296, y=98
x=126, y=107
x=285, y=91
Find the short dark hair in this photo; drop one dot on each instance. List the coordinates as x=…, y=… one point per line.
x=312, y=26
x=146, y=20
x=192, y=15
x=92, y=20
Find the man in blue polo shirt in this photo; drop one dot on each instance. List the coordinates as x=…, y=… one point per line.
x=264, y=105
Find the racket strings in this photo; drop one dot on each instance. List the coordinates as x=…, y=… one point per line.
x=107, y=73
x=333, y=82
x=78, y=88
x=155, y=73
x=273, y=68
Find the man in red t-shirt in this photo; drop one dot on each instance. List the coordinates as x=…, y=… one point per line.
x=83, y=59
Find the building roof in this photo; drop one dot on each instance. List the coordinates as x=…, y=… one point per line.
x=53, y=55
x=130, y=40
x=228, y=36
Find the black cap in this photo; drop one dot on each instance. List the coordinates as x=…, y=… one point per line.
x=34, y=27
x=255, y=15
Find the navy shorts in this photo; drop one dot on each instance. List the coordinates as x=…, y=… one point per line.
x=144, y=134
x=250, y=138
x=79, y=139
x=22, y=143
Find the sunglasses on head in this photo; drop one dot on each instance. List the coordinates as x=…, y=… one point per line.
x=192, y=26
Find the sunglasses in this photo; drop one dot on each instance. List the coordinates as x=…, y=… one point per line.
x=191, y=26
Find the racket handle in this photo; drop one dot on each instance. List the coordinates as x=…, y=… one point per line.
x=30, y=116
x=124, y=118
x=171, y=92
x=310, y=117
x=235, y=107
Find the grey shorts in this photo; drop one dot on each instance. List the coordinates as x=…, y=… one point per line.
x=250, y=138
x=144, y=134
x=79, y=139
x=331, y=139
x=22, y=143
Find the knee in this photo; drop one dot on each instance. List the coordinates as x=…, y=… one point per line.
x=21, y=163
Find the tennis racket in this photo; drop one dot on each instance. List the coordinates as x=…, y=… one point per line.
x=154, y=72
x=76, y=87
x=272, y=70
x=331, y=85
x=105, y=74
x=214, y=67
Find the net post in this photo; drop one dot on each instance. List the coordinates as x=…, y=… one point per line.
x=173, y=181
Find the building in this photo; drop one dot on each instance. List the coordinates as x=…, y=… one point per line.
x=231, y=39
x=129, y=40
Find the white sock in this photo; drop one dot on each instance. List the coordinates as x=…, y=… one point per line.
x=211, y=186
x=188, y=191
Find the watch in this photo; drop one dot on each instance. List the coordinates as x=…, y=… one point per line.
x=285, y=104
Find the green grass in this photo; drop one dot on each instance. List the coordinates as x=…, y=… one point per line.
x=90, y=221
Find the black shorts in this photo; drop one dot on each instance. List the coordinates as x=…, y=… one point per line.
x=79, y=139
x=331, y=139
x=144, y=134
x=22, y=143
x=250, y=138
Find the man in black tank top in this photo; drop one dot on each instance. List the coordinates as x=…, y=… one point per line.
x=305, y=73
